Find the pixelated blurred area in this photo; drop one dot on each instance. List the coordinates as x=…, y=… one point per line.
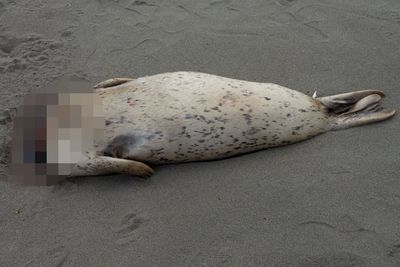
x=53, y=129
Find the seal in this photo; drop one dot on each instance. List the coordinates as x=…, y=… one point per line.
x=189, y=116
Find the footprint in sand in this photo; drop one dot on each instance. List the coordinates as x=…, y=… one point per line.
x=224, y=4
x=143, y=48
x=333, y=259
x=343, y=224
x=53, y=257
x=389, y=35
x=306, y=21
x=286, y=2
x=2, y=7
x=388, y=15
x=345, y=228
x=142, y=7
x=394, y=251
x=39, y=208
x=139, y=7
x=128, y=226
x=29, y=50
x=311, y=17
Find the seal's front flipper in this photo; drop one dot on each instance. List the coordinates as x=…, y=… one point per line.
x=354, y=109
x=112, y=82
x=101, y=165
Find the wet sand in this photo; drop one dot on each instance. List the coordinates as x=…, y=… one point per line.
x=330, y=201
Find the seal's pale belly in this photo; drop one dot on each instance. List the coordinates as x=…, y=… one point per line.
x=189, y=116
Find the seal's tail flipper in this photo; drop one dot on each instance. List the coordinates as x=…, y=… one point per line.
x=342, y=102
x=112, y=82
x=356, y=108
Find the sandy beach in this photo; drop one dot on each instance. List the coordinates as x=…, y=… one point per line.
x=333, y=200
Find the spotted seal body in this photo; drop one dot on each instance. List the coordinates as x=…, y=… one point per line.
x=126, y=124
x=188, y=116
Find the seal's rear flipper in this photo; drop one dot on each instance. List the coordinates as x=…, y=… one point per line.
x=354, y=109
x=344, y=102
x=361, y=118
x=112, y=82
x=101, y=165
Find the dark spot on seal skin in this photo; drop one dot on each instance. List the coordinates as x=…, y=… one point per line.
x=108, y=122
x=288, y=115
x=267, y=98
x=156, y=152
x=253, y=130
x=183, y=130
x=207, y=110
x=199, y=117
x=275, y=137
x=188, y=116
x=121, y=119
x=247, y=93
x=302, y=110
x=247, y=117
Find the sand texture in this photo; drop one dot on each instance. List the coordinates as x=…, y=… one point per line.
x=333, y=200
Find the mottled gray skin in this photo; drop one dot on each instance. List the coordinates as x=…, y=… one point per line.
x=189, y=116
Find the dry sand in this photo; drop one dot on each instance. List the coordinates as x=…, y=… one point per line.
x=330, y=201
